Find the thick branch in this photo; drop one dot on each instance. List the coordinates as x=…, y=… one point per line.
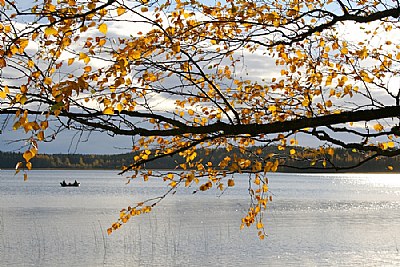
x=230, y=129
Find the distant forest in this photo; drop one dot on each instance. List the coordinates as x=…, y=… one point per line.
x=340, y=157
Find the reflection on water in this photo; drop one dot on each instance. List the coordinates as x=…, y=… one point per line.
x=314, y=220
x=380, y=180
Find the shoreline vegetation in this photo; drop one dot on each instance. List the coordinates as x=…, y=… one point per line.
x=340, y=157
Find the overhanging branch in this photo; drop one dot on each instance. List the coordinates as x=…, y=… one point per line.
x=225, y=128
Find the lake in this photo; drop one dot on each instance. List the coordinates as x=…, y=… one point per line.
x=314, y=220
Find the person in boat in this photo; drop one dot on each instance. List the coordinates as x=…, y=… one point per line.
x=70, y=184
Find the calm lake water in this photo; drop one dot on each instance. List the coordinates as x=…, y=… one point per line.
x=314, y=220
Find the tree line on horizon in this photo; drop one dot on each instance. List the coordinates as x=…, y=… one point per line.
x=325, y=162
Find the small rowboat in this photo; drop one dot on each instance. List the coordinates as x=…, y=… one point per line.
x=74, y=184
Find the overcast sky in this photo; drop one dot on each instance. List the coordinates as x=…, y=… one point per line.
x=68, y=142
x=257, y=66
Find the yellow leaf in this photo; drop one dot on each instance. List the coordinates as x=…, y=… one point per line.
x=102, y=42
x=109, y=231
x=390, y=144
x=190, y=112
x=390, y=168
x=120, y=10
x=70, y=61
x=47, y=80
x=86, y=60
x=147, y=209
x=384, y=146
x=363, y=53
x=120, y=107
x=292, y=151
x=23, y=89
x=186, y=15
x=176, y=47
x=103, y=28
x=108, y=111
x=34, y=36
x=28, y=155
x=87, y=68
x=82, y=55
x=191, y=157
x=2, y=62
x=44, y=125
x=378, y=127
x=7, y=28
x=40, y=136
x=14, y=49
x=367, y=79
x=144, y=9
x=328, y=103
x=31, y=64
x=50, y=31
x=328, y=81
x=23, y=43
x=221, y=187
x=133, y=55
x=231, y=182
x=3, y=94
x=265, y=188
x=29, y=165
x=33, y=151
x=344, y=50
x=51, y=7
x=91, y=5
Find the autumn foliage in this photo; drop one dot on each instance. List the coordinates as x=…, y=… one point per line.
x=183, y=75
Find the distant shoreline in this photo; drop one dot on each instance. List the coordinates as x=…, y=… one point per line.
x=343, y=158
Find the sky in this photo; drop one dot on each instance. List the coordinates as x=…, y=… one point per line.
x=66, y=142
